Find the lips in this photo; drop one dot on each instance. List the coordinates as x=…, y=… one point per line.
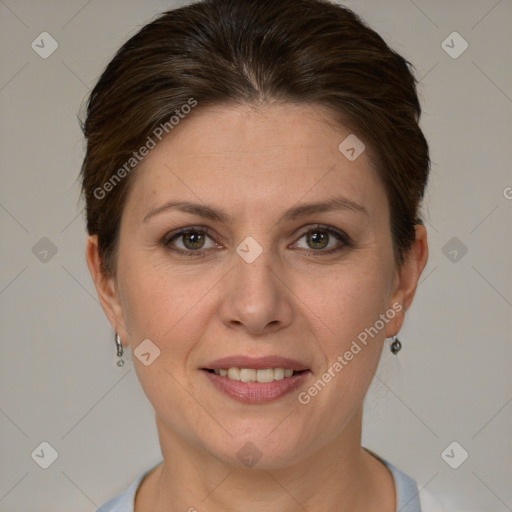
x=247, y=379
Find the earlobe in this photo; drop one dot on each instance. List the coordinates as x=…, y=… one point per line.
x=105, y=286
x=408, y=276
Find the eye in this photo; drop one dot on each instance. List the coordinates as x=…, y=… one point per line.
x=319, y=237
x=192, y=241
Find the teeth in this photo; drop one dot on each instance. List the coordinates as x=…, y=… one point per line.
x=234, y=373
x=278, y=373
x=266, y=375
x=252, y=375
x=247, y=375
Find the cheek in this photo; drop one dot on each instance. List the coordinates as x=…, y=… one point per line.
x=351, y=301
x=351, y=315
x=349, y=330
x=157, y=306
x=159, y=303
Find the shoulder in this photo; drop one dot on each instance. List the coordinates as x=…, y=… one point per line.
x=125, y=501
x=412, y=498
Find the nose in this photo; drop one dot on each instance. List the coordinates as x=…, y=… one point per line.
x=256, y=299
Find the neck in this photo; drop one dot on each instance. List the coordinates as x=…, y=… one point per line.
x=340, y=477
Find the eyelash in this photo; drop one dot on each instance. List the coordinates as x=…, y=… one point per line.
x=340, y=235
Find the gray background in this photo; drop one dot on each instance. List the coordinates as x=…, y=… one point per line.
x=58, y=379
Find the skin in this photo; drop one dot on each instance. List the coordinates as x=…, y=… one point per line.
x=256, y=163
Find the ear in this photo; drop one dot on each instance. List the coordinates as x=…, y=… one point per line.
x=106, y=288
x=406, y=279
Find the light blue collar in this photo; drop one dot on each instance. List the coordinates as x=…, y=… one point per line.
x=407, y=498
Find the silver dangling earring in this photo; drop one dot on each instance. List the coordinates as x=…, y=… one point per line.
x=395, y=345
x=119, y=346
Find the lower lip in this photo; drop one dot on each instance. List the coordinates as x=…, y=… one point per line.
x=257, y=392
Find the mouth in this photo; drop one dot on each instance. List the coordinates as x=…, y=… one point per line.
x=261, y=375
x=256, y=381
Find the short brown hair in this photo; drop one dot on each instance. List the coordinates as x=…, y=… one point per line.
x=247, y=52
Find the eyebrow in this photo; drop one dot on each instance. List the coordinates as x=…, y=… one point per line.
x=301, y=210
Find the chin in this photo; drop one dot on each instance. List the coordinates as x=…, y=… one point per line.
x=264, y=447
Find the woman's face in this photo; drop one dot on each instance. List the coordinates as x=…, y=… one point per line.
x=257, y=273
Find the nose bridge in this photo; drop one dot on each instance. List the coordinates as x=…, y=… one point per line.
x=255, y=276
x=256, y=296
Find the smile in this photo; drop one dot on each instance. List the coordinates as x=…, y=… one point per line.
x=253, y=375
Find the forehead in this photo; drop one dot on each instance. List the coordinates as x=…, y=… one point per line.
x=253, y=159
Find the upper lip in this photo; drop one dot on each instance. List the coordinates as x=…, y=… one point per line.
x=257, y=363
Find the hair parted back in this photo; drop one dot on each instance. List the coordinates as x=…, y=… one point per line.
x=254, y=52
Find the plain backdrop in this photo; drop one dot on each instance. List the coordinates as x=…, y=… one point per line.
x=58, y=380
